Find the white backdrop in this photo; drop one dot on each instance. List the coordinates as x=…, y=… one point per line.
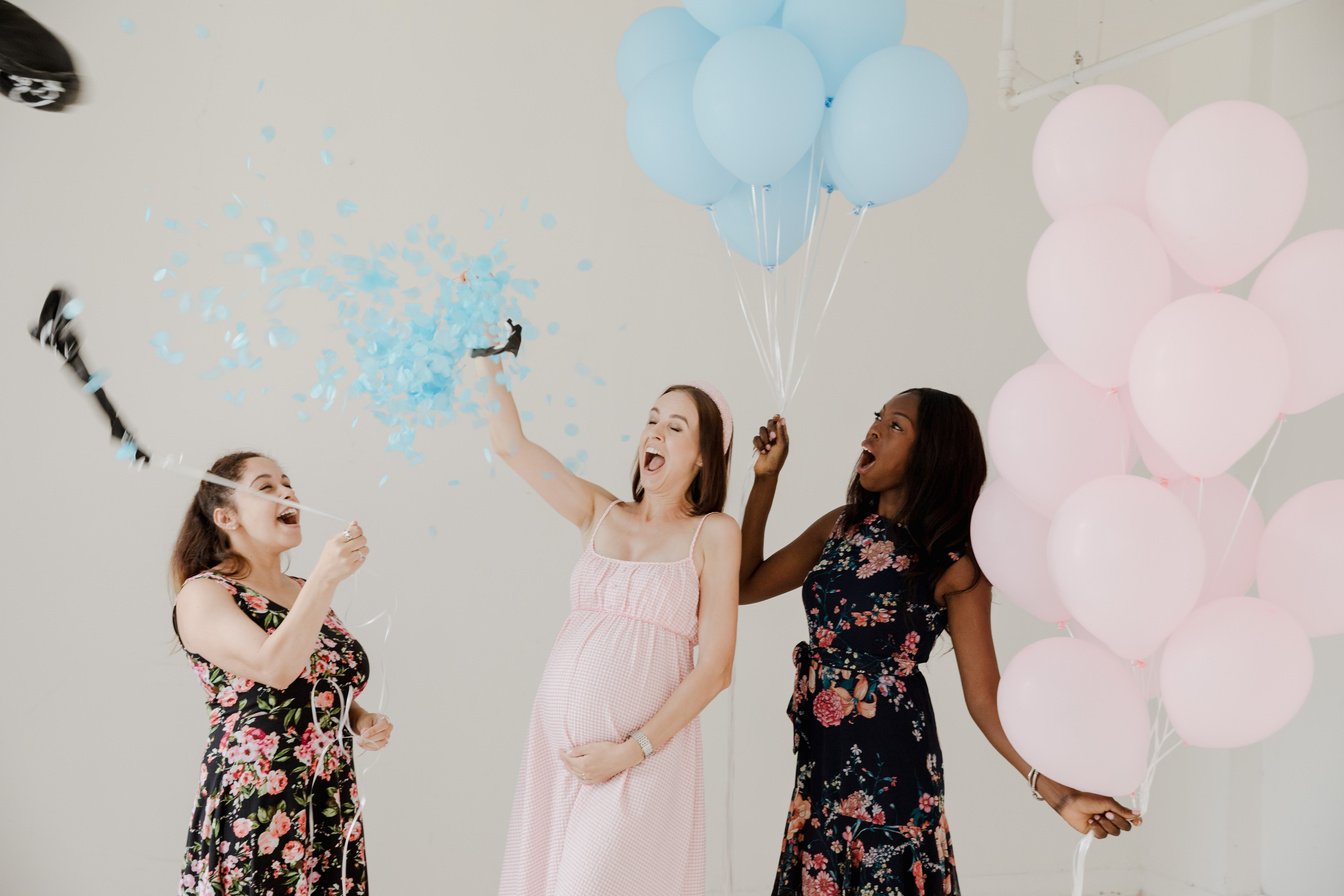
x=462, y=109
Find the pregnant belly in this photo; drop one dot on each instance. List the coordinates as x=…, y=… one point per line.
x=606, y=677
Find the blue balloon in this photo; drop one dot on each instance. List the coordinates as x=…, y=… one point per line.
x=768, y=227
x=841, y=32
x=660, y=128
x=897, y=123
x=832, y=178
x=723, y=16
x=758, y=100
x=660, y=36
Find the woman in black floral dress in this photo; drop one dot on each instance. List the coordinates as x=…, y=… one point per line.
x=277, y=810
x=882, y=577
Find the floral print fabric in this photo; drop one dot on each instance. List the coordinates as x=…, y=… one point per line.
x=277, y=793
x=866, y=818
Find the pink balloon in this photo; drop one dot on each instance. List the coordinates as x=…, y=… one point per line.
x=1299, y=558
x=1155, y=457
x=1075, y=712
x=1225, y=187
x=1181, y=284
x=1094, y=149
x=1208, y=377
x=1144, y=671
x=1050, y=431
x=1095, y=278
x=1009, y=539
x=1230, y=548
x=1235, y=672
x=1128, y=561
x=1302, y=291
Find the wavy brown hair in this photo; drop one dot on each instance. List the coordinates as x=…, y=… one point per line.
x=943, y=478
x=201, y=545
x=709, y=489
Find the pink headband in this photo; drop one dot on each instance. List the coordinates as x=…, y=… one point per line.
x=722, y=403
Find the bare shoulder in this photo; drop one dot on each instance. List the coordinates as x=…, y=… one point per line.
x=719, y=531
x=198, y=591
x=961, y=577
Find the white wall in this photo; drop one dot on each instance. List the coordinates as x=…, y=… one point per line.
x=454, y=108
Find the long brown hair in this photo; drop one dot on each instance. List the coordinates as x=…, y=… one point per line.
x=943, y=478
x=201, y=545
x=709, y=489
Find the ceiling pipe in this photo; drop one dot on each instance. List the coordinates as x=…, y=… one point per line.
x=1009, y=69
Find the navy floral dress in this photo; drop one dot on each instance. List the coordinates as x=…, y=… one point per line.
x=277, y=794
x=867, y=811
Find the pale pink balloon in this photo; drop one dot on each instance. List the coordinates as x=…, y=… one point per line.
x=1095, y=278
x=1128, y=561
x=1302, y=291
x=1050, y=431
x=1235, y=672
x=1094, y=149
x=1230, y=548
x=1155, y=457
x=1009, y=539
x=1075, y=712
x=1208, y=377
x=1225, y=187
x=1181, y=284
x=1144, y=670
x=1299, y=558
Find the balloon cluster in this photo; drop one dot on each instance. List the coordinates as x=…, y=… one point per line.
x=790, y=96
x=1149, y=356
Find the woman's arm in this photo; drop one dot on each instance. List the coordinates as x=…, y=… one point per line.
x=372, y=730
x=211, y=624
x=968, y=623
x=577, y=500
x=760, y=579
x=720, y=543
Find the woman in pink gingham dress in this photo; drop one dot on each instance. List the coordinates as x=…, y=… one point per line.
x=610, y=798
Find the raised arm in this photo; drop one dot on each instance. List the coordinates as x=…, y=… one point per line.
x=211, y=624
x=720, y=545
x=577, y=500
x=968, y=622
x=759, y=578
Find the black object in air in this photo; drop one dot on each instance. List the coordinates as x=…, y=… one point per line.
x=35, y=67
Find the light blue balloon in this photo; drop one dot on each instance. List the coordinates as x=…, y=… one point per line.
x=767, y=228
x=660, y=36
x=660, y=128
x=897, y=123
x=841, y=32
x=758, y=101
x=832, y=178
x=723, y=16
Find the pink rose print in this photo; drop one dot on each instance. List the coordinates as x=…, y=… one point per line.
x=276, y=782
x=918, y=871
x=280, y=824
x=825, y=637
x=821, y=885
x=324, y=700
x=241, y=827
x=267, y=843
x=292, y=852
x=227, y=697
x=827, y=708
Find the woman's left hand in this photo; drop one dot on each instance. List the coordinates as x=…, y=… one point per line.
x=373, y=731
x=601, y=761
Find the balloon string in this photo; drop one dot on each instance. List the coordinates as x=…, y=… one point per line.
x=1250, y=491
x=181, y=469
x=1079, y=861
x=741, y=292
x=809, y=260
x=732, y=724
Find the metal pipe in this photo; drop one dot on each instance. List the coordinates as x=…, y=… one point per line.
x=1246, y=14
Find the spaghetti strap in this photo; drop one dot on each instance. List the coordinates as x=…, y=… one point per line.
x=696, y=536
x=602, y=519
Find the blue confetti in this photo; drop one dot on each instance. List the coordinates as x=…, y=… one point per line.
x=383, y=481
x=305, y=238
x=585, y=265
x=489, y=458
x=526, y=416
x=232, y=211
x=261, y=84
x=159, y=339
x=625, y=438
x=581, y=456
x=268, y=133
x=345, y=208
x=489, y=219
x=268, y=225
x=548, y=220
x=72, y=309
x=523, y=207
x=178, y=259
x=571, y=429
x=570, y=402
x=96, y=381
x=127, y=25
x=160, y=274
x=553, y=327
x=548, y=475
x=202, y=31
x=280, y=336
x=598, y=381
x=328, y=132
x=173, y=225
x=327, y=157
x=433, y=530
x=147, y=210
x=126, y=450
x=304, y=418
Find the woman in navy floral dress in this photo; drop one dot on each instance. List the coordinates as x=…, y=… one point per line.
x=882, y=577
x=277, y=808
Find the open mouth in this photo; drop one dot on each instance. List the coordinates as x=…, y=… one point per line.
x=653, y=461
x=866, y=460
x=289, y=517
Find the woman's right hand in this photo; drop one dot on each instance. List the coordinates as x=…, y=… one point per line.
x=343, y=554
x=772, y=446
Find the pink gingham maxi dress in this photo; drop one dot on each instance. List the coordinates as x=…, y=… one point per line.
x=621, y=653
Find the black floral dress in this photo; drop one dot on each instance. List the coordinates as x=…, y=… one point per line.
x=867, y=811
x=277, y=811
